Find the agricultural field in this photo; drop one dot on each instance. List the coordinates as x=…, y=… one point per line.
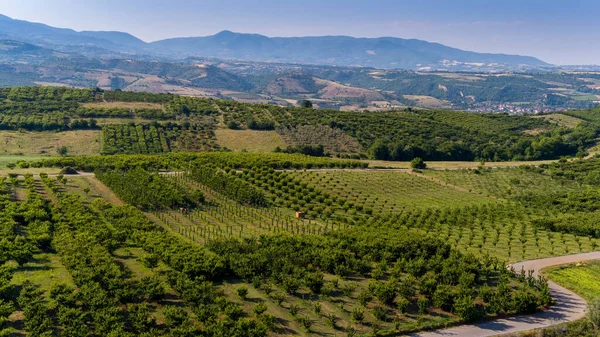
x=503, y=182
x=79, y=142
x=168, y=231
x=191, y=124
x=581, y=278
x=389, y=192
x=324, y=306
x=249, y=140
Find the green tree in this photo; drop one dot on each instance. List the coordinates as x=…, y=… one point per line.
x=306, y=104
x=418, y=163
x=379, y=150
x=62, y=151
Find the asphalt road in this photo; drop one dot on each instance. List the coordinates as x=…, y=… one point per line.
x=568, y=306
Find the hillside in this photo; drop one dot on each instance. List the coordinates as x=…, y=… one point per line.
x=154, y=123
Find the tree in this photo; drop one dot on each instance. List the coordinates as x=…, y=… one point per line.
x=306, y=104
x=11, y=165
x=62, y=151
x=233, y=125
x=379, y=150
x=418, y=164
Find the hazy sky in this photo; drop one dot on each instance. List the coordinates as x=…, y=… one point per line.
x=556, y=31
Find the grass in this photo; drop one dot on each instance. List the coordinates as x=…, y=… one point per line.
x=79, y=142
x=13, y=159
x=561, y=120
x=579, y=278
x=249, y=140
x=123, y=105
x=44, y=270
x=585, y=97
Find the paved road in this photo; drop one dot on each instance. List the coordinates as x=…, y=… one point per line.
x=568, y=306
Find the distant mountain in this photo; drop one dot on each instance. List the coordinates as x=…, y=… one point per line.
x=385, y=52
x=51, y=37
x=119, y=38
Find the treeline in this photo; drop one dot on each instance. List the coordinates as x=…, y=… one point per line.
x=46, y=122
x=309, y=150
x=43, y=94
x=231, y=186
x=183, y=161
x=125, y=113
x=131, y=96
x=149, y=191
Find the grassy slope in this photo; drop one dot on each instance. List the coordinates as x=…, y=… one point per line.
x=80, y=142
x=249, y=140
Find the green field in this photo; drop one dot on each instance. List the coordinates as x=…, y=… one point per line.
x=249, y=140
x=79, y=142
x=582, y=278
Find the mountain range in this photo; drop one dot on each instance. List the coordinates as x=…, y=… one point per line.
x=384, y=52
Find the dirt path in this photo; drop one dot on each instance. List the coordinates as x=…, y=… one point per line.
x=568, y=306
x=101, y=189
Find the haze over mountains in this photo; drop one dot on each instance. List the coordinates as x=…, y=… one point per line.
x=385, y=52
x=335, y=72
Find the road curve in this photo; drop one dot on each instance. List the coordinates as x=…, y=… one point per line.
x=568, y=306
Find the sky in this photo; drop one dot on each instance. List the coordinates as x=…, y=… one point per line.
x=556, y=31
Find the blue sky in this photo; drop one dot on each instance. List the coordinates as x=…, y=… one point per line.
x=556, y=31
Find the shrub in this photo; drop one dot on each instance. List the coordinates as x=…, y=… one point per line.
x=242, y=293
x=380, y=313
x=402, y=304
x=260, y=308
x=357, y=315
x=418, y=163
x=524, y=302
x=465, y=309
x=423, y=304
x=68, y=170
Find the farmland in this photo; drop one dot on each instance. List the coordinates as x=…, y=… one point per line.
x=171, y=232
x=581, y=278
x=154, y=123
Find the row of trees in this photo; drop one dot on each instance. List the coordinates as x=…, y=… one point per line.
x=45, y=122
x=149, y=191
x=229, y=185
